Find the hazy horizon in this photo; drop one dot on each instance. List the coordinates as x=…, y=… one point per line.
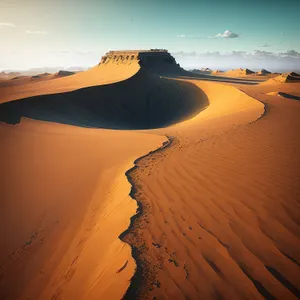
x=214, y=34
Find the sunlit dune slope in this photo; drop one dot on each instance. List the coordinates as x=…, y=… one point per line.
x=239, y=72
x=98, y=75
x=64, y=202
x=65, y=196
x=219, y=206
x=263, y=72
x=221, y=203
x=291, y=77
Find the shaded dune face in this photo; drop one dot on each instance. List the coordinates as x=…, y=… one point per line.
x=143, y=101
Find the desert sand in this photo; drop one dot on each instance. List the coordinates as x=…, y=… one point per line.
x=228, y=210
x=291, y=77
x=239, y=72
x=217, y=72
x=218, y=195
x=65, y=200
x=263, y=72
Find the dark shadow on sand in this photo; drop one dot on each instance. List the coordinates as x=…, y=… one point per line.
x=289, y=96
x=219, y=79
x=143, y=101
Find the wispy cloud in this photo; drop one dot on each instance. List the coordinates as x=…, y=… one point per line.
x=191, y=36
x=42, y=32
x=244, y=54
x=291, y=53
x=265, y=45
x=227, y=35
x=257, y=59
x=2, y=24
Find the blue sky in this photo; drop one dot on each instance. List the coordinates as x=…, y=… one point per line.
x=69, y=32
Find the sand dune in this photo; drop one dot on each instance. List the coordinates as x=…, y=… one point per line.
x=284, y=78
x=64, y=196
x=284, y=95
x=41, y=75
x=202, y=71
x=217, y=72
x=218, y=203
x=143, y=101
x=63, y=73
x=239, y=72
x=263, y=72
x=99, y=75
x=72, y=209
x=25, y=80
x=8, y=75
x=225, y=224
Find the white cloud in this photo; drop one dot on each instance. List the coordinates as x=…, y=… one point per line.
x=36, y=32
x=227, y=35
x=2, y=24
x=191, y=36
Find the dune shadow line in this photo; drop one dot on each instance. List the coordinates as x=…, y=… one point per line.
x=144, y=101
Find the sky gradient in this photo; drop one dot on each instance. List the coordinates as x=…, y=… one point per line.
x=66, y=33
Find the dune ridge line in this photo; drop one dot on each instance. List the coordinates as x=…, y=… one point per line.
x=137, y=273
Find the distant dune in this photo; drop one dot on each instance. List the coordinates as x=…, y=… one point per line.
x=239, y=72
x=202, y=71
x=8, y=75
x=263, y=72
x=291, y=77
x=217, y=72
x=19, y=77
x=63, y=73
x=41, y=75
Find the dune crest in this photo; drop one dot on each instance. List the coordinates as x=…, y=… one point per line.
x=213, y=225
x=142, y=101
x=284, y=95
x=63, y=73
x=291, y=77
x=263, y=72
x=239, y=72
x=216, y=182
x=71, y=205
x=172, y=225
x=217, y=72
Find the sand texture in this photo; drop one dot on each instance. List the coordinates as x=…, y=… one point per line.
x=214, y=169
x=64, y=202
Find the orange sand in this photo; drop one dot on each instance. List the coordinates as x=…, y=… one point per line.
x=64, y=199
x=225, y=224
x=99, y=75
x=220, y=216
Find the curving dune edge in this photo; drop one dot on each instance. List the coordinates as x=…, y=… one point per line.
x=212, y=169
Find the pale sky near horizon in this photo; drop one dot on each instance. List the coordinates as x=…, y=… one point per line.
x=39, y=33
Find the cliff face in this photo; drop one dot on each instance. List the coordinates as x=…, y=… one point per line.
x=157, y=60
